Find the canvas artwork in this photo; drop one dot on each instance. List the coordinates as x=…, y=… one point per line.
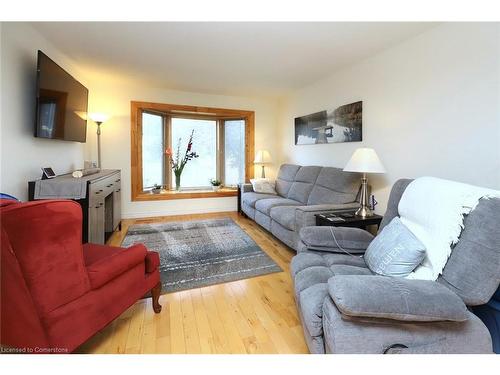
x=343, y=124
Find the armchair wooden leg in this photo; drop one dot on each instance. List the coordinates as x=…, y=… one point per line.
x=155, y=294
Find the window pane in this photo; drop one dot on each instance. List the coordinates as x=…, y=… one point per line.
x=199, y=171
x=152, y=150
x=234, y=152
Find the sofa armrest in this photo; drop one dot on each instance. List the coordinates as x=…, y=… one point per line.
x=106, y=269
x=305, y=215
x=246, y=188
x=353, y=240
x=363, y=296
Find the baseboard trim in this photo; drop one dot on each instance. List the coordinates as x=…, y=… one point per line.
x=144, y=214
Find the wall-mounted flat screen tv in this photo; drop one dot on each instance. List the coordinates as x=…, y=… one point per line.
x=61, y=103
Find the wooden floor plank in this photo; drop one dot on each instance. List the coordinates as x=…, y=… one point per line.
x=256, y=315
x=177, y=340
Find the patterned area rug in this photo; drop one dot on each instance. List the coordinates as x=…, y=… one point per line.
x=194, y=254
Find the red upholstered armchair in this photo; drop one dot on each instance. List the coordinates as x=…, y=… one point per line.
x=55, y=292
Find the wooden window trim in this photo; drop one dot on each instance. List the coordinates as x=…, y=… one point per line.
x=136, y=109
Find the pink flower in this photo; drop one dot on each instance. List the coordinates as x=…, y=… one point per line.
x=168, y=151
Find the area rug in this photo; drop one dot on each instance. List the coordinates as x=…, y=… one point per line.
x=194, y=254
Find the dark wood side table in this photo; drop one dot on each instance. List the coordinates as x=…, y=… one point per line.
x=356, y=221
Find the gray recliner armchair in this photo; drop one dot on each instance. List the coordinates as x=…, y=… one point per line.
x=345, y=308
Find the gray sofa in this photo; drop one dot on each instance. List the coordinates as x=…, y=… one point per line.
x=302, y=192
x=345, y=308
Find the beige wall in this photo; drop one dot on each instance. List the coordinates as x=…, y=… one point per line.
x=21, y=154
x=114, y=100
x=431, y=106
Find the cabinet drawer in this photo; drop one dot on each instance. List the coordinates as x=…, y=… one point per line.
x=101, y=188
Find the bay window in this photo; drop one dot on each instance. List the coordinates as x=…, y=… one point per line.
x=223, y=139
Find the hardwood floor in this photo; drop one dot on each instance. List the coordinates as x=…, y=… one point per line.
x=256, y=315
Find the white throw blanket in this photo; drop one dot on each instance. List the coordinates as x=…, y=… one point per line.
x=433, y=210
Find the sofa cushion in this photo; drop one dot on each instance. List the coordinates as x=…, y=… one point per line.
x=265, y=205
x=251, y=198
x=303, y=184
x=284, y=215
x=286, y=176
x=309, y=259
x=334, y=186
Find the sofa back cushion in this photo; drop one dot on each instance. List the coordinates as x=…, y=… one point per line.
x=334, y=186
x=286, y=176
x=473, y=269
x=304, y=183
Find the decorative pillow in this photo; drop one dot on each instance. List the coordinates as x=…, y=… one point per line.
x=395, y=251
x=263, y=185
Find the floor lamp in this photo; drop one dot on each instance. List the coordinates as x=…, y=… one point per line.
x=98, y=118
x=364, y=160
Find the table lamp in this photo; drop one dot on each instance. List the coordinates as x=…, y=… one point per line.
x=364, y=160
x=262, y=157
x=98, y=118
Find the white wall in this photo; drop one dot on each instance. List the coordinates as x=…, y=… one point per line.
x=114, y=99
x=431, y=106
x=21, y=154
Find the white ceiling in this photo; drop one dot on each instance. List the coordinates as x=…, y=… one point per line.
x=223, y=58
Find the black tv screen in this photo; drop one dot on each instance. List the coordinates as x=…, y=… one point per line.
x=61, y=103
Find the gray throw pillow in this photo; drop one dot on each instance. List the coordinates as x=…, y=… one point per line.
x=395, y=251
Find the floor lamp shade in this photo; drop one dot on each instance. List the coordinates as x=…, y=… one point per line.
x=262, y=157
x=364, y=160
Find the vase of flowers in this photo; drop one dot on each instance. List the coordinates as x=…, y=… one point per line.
x=216, y=184
x=177, y=164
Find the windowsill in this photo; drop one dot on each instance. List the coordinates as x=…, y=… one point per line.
x=186, y=194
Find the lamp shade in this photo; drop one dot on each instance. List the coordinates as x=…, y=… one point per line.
x=364, y=160
x=99, y=117
x=262, y=157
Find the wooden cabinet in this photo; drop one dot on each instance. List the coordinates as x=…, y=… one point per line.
x=101, y=207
